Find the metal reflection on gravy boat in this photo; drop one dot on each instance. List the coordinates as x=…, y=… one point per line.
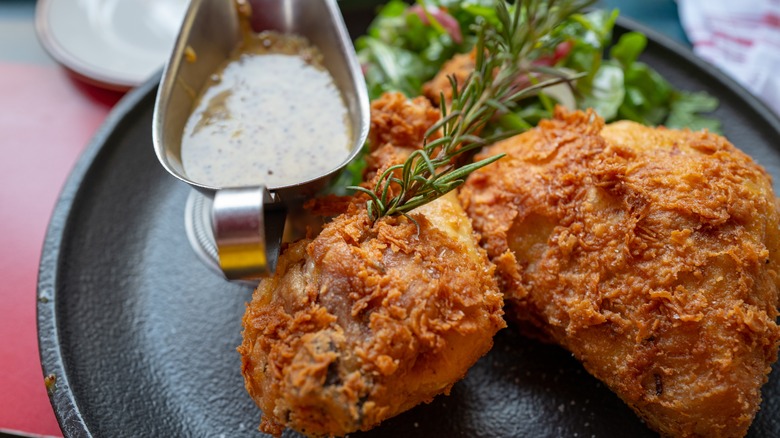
x=248, y=222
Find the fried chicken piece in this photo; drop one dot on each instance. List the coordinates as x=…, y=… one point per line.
x=400, y=121
x=650, y=254
x=458, y=67
x=369, y=319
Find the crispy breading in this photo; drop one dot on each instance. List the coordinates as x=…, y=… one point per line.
x=367, y=320
x=651, y=254
x=459, y=68
x=400, y=121
x=398, y=126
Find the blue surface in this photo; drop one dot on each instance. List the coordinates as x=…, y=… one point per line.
x=18, y=41
x=660, y=15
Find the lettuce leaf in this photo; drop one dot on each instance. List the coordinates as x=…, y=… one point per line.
x=404, y=48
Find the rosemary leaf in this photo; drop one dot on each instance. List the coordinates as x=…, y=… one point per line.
x=503, y=75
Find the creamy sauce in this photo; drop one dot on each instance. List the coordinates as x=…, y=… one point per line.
x=267, y=118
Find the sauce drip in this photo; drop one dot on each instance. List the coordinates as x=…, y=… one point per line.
x=271, y=115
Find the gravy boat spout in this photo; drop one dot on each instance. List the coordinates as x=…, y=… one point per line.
x=248, y=231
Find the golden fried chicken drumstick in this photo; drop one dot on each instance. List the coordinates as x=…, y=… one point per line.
x=650, y=254
x=367, y=320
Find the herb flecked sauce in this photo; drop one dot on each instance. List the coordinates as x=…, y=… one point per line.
x=267, y=118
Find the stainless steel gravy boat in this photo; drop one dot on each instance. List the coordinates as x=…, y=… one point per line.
x=248, y=222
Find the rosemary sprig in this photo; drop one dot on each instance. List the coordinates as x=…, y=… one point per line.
x=504, y=56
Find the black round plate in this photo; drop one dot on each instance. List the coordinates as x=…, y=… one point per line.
x=142, y=337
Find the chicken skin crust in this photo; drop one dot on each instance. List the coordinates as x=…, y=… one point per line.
x=369, y=319
x=458, y=68
x=651, y=254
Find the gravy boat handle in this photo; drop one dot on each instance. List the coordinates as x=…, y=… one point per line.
x=248, y=224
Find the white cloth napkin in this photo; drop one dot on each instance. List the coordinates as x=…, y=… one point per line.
x=742, y=37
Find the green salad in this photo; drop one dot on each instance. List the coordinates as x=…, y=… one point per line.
x=407, y=44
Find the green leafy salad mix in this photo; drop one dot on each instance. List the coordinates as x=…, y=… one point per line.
x=529, y=56
x=407, y=45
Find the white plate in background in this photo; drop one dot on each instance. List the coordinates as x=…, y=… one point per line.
x=116, y=44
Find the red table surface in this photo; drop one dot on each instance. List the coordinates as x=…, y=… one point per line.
x=46, y=120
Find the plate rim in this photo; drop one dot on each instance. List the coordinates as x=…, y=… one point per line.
x=70, y=419
x=61, y=397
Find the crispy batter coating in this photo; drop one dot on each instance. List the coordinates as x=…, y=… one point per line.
x=400, y=121
x=651, y=254
x=459, y=67
x=367, y=320
x=398, y=126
